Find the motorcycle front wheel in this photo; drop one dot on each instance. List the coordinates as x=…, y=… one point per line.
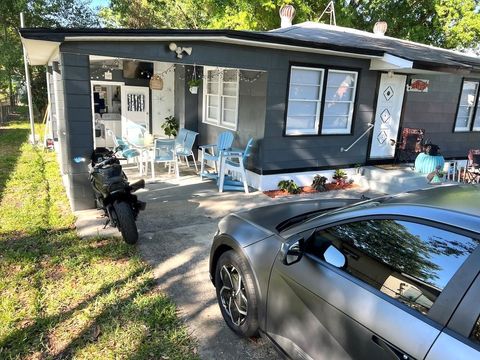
x=126, y=221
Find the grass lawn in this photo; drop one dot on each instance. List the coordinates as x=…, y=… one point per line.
x=66, y=297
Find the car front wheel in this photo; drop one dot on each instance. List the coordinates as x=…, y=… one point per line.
x=236, y=294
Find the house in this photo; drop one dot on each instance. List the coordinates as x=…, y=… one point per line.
x=305, y=92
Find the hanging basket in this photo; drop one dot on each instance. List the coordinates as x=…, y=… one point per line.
x=156, y=82
x=194, y=89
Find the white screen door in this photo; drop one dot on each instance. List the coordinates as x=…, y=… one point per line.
x=387, y=116
x=135, y=110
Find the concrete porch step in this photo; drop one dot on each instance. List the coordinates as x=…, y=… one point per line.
x=391, y=181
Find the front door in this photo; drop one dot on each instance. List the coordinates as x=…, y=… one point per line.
x=135, y=110
x=387, y=116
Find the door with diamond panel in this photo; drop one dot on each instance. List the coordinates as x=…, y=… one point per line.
x=387, y=116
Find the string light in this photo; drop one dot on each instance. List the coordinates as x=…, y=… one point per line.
x=190, y=72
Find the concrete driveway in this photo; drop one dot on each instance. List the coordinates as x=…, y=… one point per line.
x=176, y=231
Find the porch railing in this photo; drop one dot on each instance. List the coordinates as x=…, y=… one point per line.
x=370, y=127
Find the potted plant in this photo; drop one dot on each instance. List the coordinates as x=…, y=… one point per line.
x=340, y=177
x=194, y=84
x=170, y=126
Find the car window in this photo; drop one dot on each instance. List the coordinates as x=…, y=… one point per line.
x=475, y=336
x=409, y=262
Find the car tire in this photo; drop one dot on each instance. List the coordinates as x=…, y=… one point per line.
x=236, y=294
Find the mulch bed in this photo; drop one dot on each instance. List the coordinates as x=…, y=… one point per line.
x=310, y=190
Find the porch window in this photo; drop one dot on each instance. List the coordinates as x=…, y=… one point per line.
x=221, y=97
x=468, y=107
x=308, y=102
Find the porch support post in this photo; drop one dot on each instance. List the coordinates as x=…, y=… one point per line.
x=78, y=129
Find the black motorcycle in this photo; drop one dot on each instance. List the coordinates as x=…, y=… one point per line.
x=114, y=194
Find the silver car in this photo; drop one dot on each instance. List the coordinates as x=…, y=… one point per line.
x=390, y=278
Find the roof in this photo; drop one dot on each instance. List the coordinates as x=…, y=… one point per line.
x=419, y=53
x=308, y=36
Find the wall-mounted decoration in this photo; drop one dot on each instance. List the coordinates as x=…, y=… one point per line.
x=108, y=75
x=135, y=102
x=418, y=85
x=156, y=82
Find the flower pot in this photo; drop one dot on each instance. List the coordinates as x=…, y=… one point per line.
x=194, y=89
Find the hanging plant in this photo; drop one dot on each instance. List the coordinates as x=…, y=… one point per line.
x=194, y=84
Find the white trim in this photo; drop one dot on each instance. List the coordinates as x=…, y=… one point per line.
x=270, y=182
x=351, y=105
x=470, y=115
x=390, y=62
x=220, y=96
x=318, y=102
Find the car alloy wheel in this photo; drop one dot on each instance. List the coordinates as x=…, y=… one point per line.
x=233, y=294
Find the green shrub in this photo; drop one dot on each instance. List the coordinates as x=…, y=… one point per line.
x=340, y=176
x=319, y=183
x=289, y=186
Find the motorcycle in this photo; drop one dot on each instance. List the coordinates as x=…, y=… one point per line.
x=114, y=194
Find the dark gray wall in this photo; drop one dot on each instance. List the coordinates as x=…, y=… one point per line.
x=251, y=117
x=309, y=152
x=77, y=122
x=275, y=152
x=435, y=112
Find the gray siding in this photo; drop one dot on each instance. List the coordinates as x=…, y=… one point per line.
x=263, y=103
x=77, y=138
x=309, y=152
x=435, y=112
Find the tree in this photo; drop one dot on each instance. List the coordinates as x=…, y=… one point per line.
x=38, y=13
x=445, y=23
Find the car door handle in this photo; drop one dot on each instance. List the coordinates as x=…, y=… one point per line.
x=390, y=349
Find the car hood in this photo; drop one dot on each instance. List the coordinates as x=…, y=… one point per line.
x=276, y=217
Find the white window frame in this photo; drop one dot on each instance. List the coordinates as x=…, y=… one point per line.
x=314, y=131
x=220, y=97
x=321, y=103
x=348, y=129
x=475, y=109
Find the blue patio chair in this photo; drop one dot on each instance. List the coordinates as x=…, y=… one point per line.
x=124, y=150
x=184, y=145
x=232, y=169
x=164, y=152
x=212, y=153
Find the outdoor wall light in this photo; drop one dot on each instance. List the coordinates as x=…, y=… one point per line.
x=179, y=50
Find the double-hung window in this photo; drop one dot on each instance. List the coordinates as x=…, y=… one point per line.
x=468, y=111
x=221, y=97
x=311, y=102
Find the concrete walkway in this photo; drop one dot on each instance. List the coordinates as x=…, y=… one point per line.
x=176, y=231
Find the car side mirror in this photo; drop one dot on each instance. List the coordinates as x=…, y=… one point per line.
x=335, y=257
x=292, y=251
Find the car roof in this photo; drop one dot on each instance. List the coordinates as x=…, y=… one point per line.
x=457, y=206
x=459, y=198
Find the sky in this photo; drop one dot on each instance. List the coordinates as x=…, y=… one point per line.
x=95, y=3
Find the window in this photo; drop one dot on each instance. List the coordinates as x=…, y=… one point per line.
x=221, y=97
x=307, y=102
x=467, y=107
x=339, y=101
x=409, y=262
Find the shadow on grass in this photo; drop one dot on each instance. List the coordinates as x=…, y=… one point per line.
x=127, y=317
x=11, y=139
